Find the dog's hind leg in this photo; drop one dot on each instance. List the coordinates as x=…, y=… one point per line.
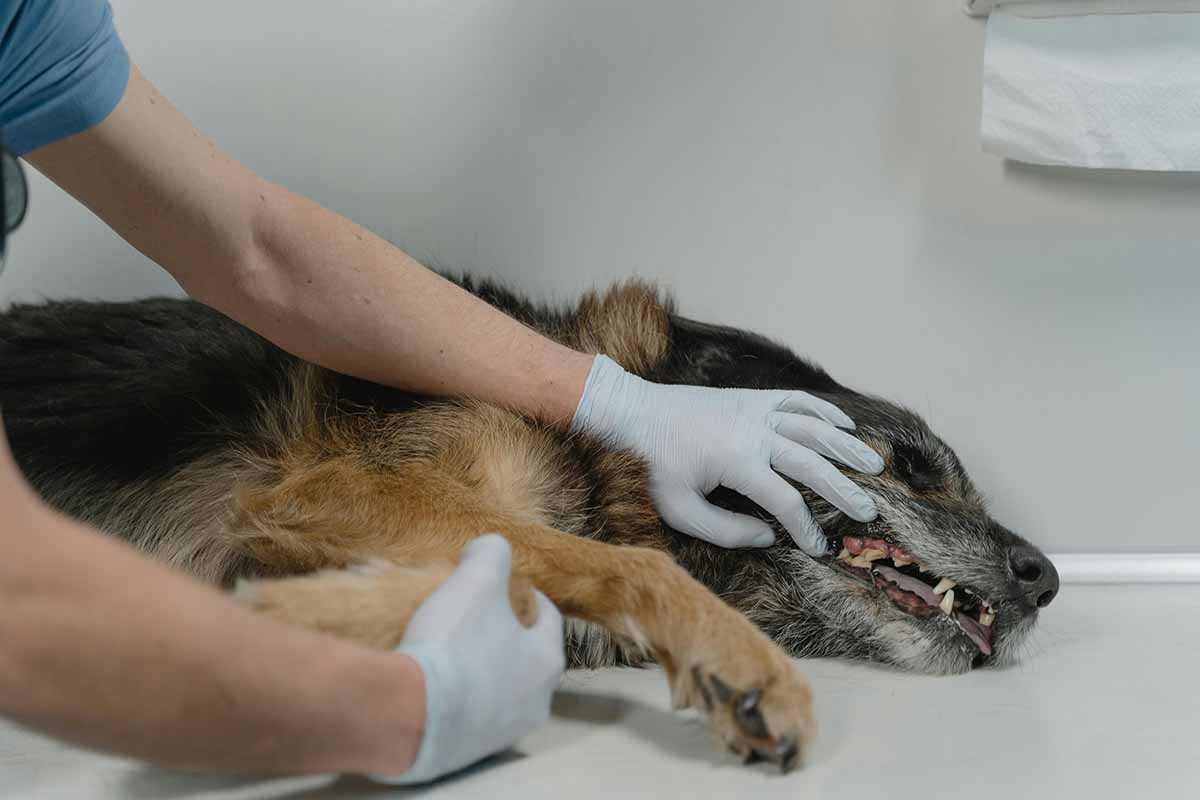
x=715, y=659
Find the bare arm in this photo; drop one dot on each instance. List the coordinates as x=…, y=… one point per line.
x=304, y=277
x=109, y=649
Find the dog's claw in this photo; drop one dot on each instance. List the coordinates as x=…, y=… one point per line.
x=704, y=694
x=750, y=728
x=787, y=754
x=749, y=700
x=749, y=717
x=723, y=690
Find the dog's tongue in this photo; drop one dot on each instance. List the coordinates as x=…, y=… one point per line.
x=909, y=584
x=981, y=636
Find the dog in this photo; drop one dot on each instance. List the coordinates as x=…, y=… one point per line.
x=327, y=501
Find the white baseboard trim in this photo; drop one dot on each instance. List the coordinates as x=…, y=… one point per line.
x=1183, y=567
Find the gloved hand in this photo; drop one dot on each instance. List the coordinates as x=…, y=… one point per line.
x=696, y=438
x=488, y=680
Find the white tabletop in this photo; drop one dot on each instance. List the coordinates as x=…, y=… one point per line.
x=1105, y=705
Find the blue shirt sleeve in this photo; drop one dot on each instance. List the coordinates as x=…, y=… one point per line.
x=63, y=69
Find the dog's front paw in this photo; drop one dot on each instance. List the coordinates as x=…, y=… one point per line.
x=756, y=701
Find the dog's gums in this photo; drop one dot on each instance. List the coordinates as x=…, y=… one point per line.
x=914, y=589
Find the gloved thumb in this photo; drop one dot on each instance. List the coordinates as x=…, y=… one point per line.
x=548, y=624
x=489, y=554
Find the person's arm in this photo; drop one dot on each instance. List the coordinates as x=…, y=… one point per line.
x=335, y=294
x=310, y=280
x=108, y=649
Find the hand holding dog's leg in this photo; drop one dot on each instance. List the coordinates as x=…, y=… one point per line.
x=488, y=680
x=490, y=649
x=717, y=661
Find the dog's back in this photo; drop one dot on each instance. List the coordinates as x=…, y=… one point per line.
x=105, y=395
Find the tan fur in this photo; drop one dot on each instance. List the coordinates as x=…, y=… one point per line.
x=629, y=324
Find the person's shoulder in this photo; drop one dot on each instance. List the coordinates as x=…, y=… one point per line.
x=62, y=69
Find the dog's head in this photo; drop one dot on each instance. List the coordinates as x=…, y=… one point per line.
x=933, y=584
x=884, y=592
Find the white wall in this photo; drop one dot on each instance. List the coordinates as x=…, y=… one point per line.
x=810, y=170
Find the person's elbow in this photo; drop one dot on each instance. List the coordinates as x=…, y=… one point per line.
x=250, y=285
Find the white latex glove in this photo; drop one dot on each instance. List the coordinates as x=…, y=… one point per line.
x=696, y=438
x=488, y=679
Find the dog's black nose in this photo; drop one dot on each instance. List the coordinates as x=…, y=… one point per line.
x=1033, y=576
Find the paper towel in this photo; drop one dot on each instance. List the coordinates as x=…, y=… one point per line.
x=1070, y=8
x=1117, y=91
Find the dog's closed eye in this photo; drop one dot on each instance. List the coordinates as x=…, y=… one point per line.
x=914, y=468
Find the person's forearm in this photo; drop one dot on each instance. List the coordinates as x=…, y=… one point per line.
x=304, y=277
x=336, y=294
x=110, y=650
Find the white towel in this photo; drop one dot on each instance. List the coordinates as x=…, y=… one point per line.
x=1118, y=91
x=1073, y=8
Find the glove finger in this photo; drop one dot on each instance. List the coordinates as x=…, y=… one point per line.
x=548, y=630
x=690, y=513
x=549, y=620
x=786, y=504
x=821, y=437
x=803, y=465
x=479, y=581
x=476, y=588
x=488, y=554
x=805, y=403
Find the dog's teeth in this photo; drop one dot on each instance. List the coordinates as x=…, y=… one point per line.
x=922, y=567
x=844, y=555
x=947, y=604
x=866, y=557
x=986, y=617
x=943, y=585
x=901, y=561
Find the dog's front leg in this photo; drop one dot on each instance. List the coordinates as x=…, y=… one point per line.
x=716, y=660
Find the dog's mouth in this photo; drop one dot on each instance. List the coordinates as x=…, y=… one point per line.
x=893, y=571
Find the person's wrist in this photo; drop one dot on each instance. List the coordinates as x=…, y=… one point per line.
x=559, y=383
x=436, y=668
x=610, y=394
x=415, y=711
x=390, y=712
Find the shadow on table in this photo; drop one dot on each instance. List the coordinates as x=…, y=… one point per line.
x=674, y=735
x=163, y=784
x=678, y=736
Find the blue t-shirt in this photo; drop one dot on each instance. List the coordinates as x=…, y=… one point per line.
x=62, y=69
